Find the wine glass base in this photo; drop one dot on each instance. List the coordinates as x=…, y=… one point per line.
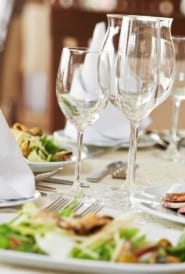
x=84, y=192
x=114, y=198
x=173, y=156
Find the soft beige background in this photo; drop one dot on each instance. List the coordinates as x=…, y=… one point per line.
x=28, y=51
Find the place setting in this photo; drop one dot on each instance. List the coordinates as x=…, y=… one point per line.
x=104, y=218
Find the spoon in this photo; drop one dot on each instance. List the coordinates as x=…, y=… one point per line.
x=109, y=169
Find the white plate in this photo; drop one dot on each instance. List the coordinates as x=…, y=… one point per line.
x=149, y=201
x=154, y=231
x=48, y=166
x=21, y=201
x=86, y=266
x=144, y=141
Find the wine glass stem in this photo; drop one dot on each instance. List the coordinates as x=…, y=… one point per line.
x=131, y=174
x=175, y=118
x=76, y=184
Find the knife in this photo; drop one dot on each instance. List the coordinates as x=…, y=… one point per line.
x=58, y=180
x=61, y=181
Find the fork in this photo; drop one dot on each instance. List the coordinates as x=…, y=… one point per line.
x=92, y=208
x=63, y=202
x=59, y=203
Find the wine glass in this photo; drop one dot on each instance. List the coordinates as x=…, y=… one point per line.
x=137, y=78
x=79, y=95
x=165, y=56
x=177, y=96
x=110, y=49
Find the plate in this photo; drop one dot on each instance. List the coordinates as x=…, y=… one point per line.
x=149, y=201
x=144, y=141
x=61, y=264
x=37, y=167
x=21, y=201
x=85, y=266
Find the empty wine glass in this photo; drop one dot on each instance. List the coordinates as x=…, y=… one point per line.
x=137, y=78
x=177, y=96
x=110, y=49
x=79, y=95
x=163, y=50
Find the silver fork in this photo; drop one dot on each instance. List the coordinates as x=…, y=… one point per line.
x=92, y=208
x=58, y=204
x=81, y=209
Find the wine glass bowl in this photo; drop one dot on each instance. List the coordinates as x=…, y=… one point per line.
x=177, y=96
x=79, y=95
x=167, y=60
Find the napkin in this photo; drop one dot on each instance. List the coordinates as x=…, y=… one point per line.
x=16, y=178
x=112, y=125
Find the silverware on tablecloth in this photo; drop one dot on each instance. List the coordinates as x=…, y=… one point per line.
x=120, y=173
x=90, y=152
x=109, y=169
x=159, y=138
x=42, y=176
x=81, y=209
x=117, y=169
x=58, y=180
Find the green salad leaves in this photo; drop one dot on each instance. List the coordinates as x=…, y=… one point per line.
x=42, y=148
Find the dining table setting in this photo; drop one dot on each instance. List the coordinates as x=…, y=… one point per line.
x=154, y=174
x=106, y=194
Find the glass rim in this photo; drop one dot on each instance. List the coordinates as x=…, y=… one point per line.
x=81, y=49
x=119, y=16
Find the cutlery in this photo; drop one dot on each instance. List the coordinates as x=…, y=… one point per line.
x=90, y=153
x=92, y=208
x=80, y=210
x=109, y=169
x=120, y=173
x=42, y=176
x=58, y=180
x=181, y=143
x=46, y=188
x=158, y=138
x=119, y=167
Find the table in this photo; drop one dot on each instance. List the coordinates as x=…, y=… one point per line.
x=152, y=169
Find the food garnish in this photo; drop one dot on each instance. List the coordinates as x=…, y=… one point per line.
x=93, y=237
x=37, y=146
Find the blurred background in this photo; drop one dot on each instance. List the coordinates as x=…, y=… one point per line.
x=32, y=35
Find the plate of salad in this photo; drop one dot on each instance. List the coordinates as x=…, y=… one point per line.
x=90, y=244
x=41, y=151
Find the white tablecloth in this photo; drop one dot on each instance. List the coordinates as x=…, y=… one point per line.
x=152, y=169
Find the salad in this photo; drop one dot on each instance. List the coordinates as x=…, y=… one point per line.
x=92, y=237
x=38, y=147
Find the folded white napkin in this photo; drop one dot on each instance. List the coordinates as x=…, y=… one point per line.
x=112, y=124
x=16, y=178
